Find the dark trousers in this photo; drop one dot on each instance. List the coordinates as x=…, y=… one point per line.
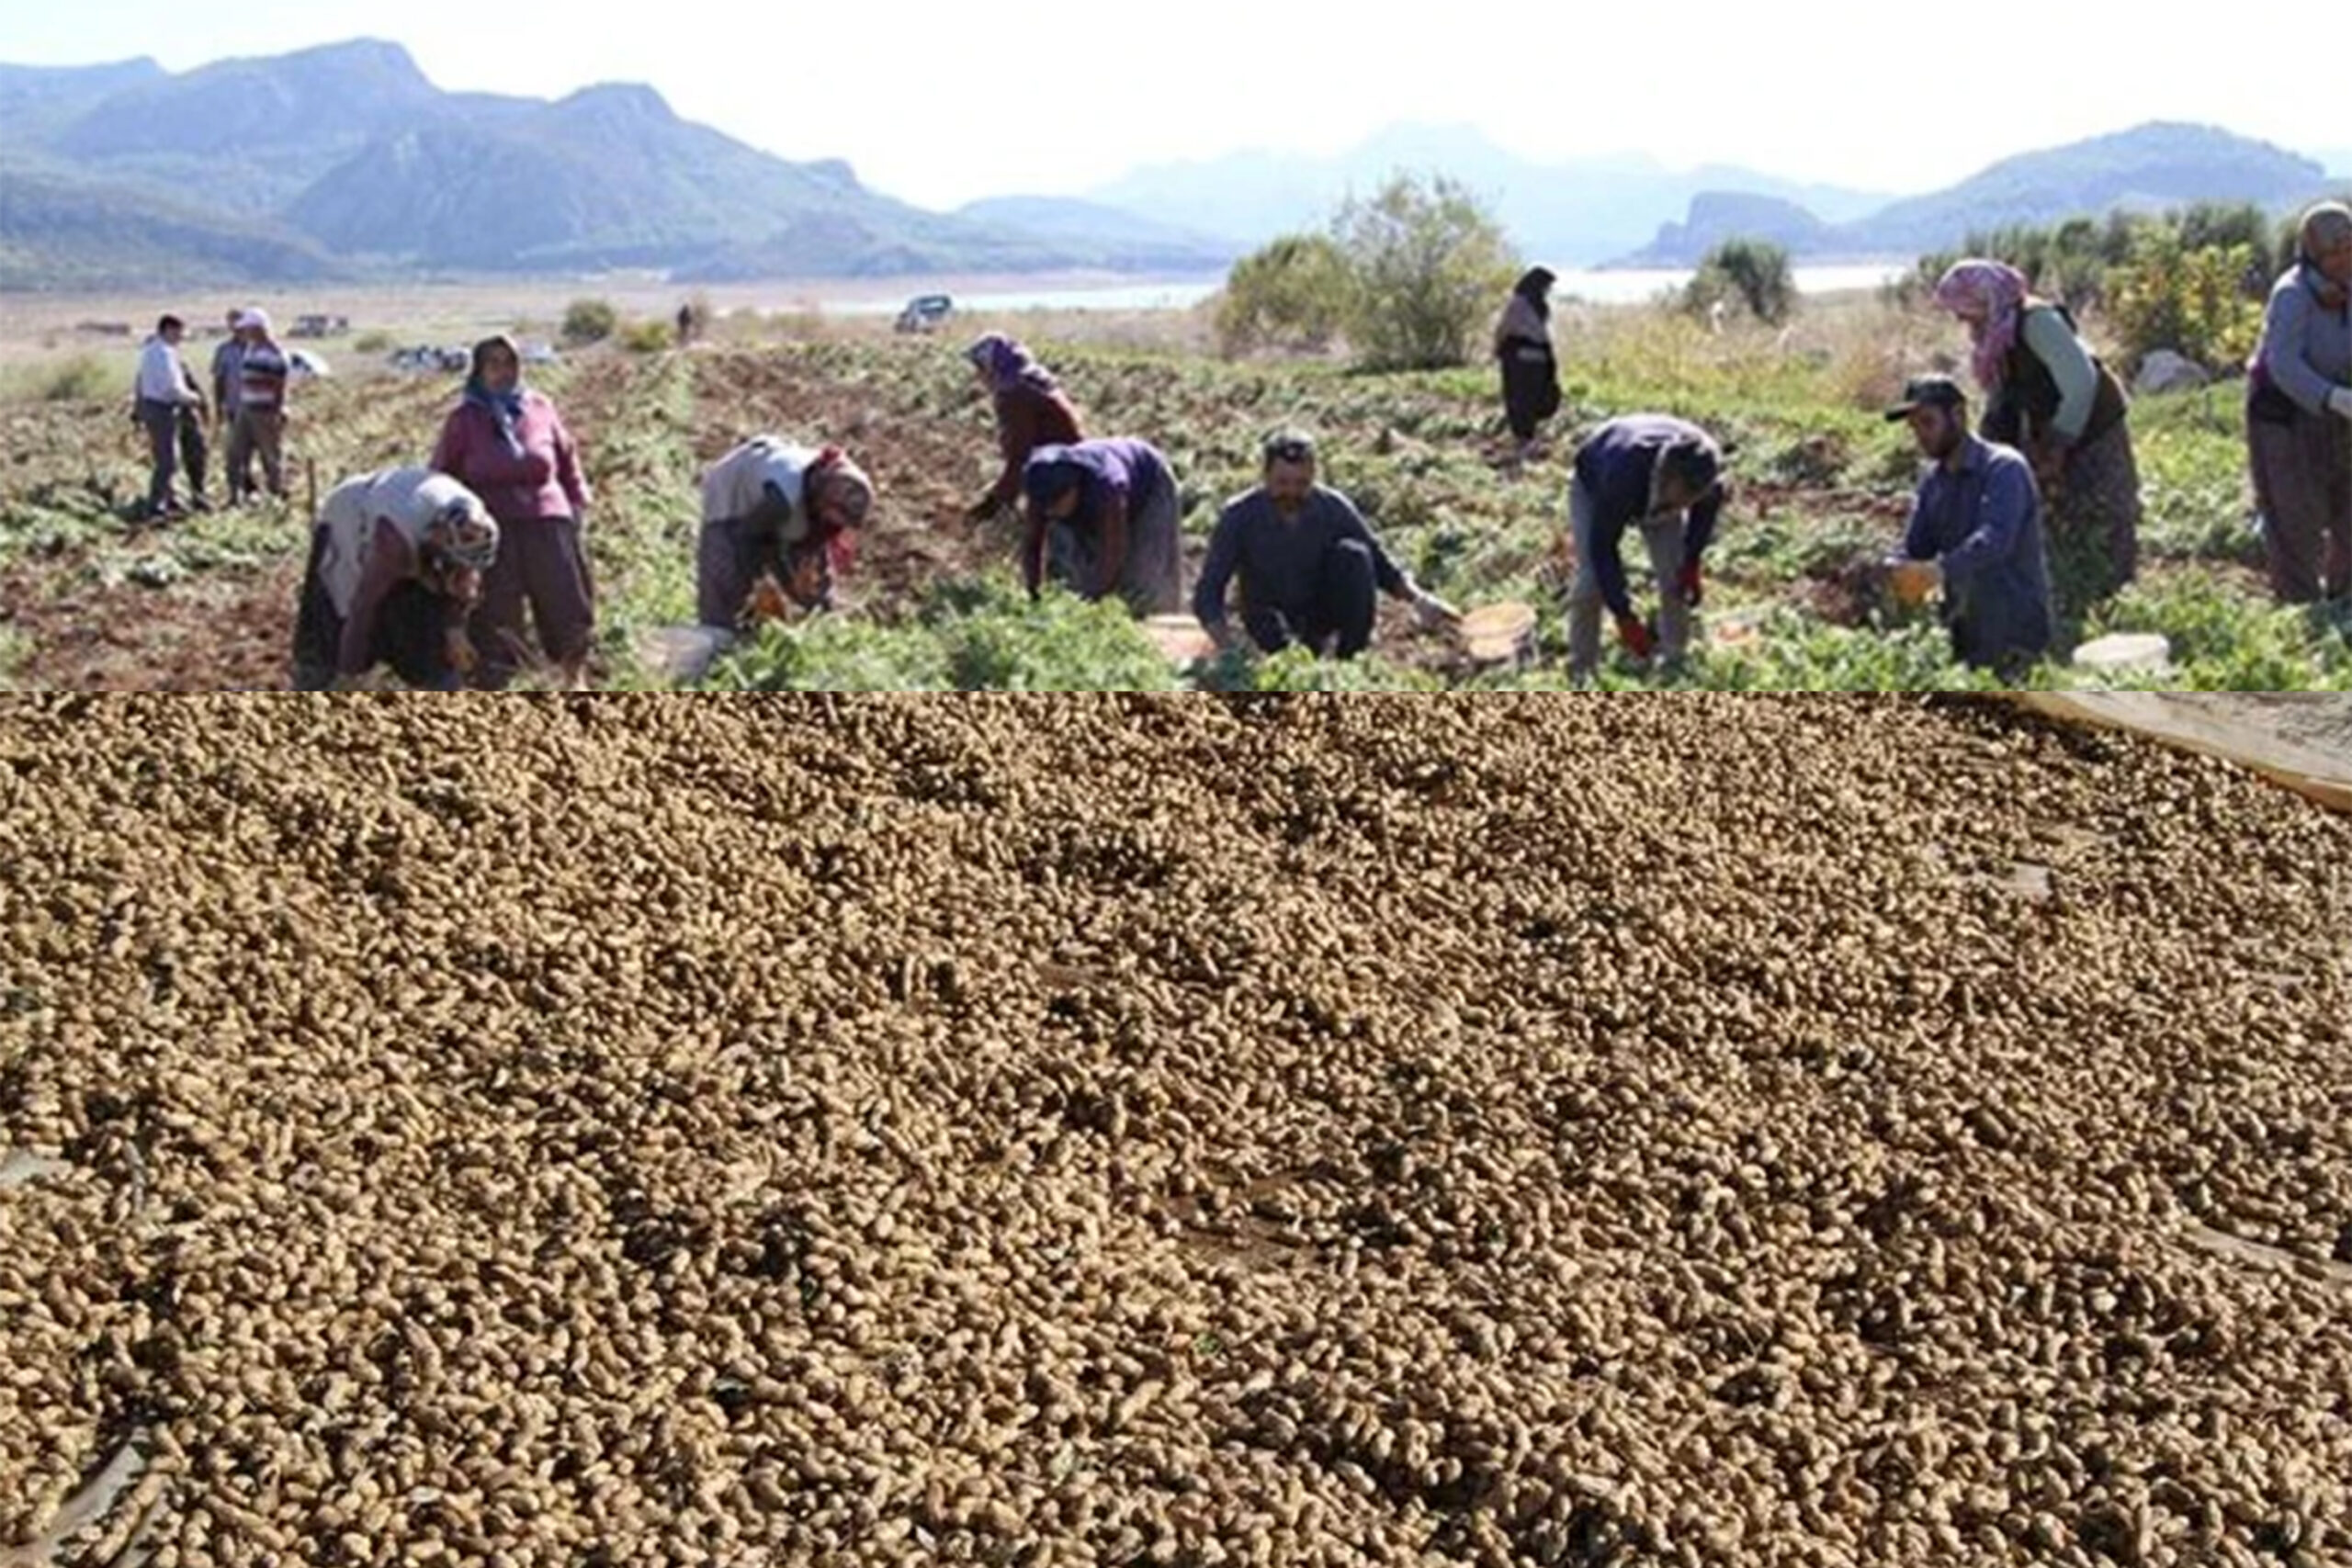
x=1530, y=388
x=174, y=439
x=412, y=634
x=1346, y=594
x=542, y=565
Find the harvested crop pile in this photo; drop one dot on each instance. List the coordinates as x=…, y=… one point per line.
x=1682, y=1130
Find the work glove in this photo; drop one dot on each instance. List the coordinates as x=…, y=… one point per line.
x=1691, y=588
x=2339, y=402
x=1635, y=637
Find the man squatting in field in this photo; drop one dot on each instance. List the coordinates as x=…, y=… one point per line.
x=397, y=558
x=1310, y=566
x=1978, y=516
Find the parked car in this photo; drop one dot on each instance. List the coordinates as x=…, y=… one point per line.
x=301, y=365
x=320, y=326
x=540, y=354
x=925, y=313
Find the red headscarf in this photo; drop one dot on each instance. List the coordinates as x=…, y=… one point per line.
x=840, y=544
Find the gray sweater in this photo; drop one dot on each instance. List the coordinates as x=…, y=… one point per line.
x=2306, y=347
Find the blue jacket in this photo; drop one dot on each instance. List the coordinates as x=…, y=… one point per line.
x=1618, y=465
x=1982, y=520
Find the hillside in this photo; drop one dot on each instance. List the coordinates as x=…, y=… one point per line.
x=2154, y=165
x=68, y=234
x=1574, y=213
x=348, y=156
x=1128, y=240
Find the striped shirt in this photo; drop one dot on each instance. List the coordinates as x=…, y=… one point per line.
x=262, y=370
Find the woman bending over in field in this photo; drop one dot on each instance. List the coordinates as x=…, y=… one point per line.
x=2048, y=396
x=1032, y=411
x=1104, y=518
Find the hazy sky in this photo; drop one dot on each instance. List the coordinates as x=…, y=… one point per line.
x=942, y=102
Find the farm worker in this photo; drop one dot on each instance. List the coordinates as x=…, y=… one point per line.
x=686, y=324
x=397, y=558
x=508, y=445
x=224, y=375
x=1309, y=565
x=1523, y=347
x=2299, y=415
x=170, y=409
x=1104, y=518
x=774, y=509
x=1663, y=476
x=1032, y=411
x=1978, y=516
x=2049, y=397
x=260, y=428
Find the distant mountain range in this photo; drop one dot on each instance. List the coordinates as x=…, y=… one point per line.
x=347, y=163
x=2151, y=168
x=1570, y=214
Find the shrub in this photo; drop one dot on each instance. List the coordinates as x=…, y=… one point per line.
x=648, y=337
x=2191, y=301
x=81, y=380
x=589, y=320
x=1753, y=272
x=1293, y=296
x=1430, y=265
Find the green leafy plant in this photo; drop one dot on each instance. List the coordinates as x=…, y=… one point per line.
x=589, y=320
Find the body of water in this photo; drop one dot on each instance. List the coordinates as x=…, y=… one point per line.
x=1615, y=288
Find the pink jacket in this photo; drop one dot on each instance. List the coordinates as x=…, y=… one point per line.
x=545, y=482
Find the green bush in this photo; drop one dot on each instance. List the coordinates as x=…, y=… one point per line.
x=589, y=320
x=1430, y=265
x=375, y=342
x=83, y=378
x=1295, y=296
x=1753, y=272
x=2191, y=301
x=648, y=337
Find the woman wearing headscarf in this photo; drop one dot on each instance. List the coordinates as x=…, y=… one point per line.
x=1523, y=347
x=507, y=443
x=1032, y=411
x=2047, y=395
x=1106, y=517
x=776, y=510
x=2299, y=415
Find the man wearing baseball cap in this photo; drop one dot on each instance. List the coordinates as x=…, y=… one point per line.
x=263, y=371
x=1978, y=517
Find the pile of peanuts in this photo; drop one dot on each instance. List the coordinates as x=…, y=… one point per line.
x=1690, y=1129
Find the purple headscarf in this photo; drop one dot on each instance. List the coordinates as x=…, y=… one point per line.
x=1009, y=364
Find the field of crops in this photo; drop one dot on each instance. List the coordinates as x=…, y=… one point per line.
x=91, y=602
